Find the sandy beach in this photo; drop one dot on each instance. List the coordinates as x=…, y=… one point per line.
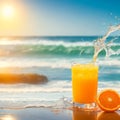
x=56, y=114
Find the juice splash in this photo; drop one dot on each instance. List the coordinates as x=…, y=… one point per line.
x=100, y=44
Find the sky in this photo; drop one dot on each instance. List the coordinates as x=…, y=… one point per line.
x=58, y=17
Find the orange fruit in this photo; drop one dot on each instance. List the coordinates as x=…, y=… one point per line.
x=108, y=100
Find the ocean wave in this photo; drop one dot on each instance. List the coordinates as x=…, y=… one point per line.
x=51, y=50
x=41, y=50
x=55, y=46
x=45, y=42
x=66, y=43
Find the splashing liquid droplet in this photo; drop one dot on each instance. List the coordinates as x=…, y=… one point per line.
x=100, y=44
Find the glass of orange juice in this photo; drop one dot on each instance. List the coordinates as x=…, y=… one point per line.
x=84, y=85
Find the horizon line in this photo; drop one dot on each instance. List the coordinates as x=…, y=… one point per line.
x=56, y=36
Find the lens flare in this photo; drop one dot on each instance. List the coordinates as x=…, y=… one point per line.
x=8, y=11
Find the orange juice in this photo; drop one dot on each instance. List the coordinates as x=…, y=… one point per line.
x=84, y=83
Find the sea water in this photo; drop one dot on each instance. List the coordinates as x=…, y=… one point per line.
x=52, y=56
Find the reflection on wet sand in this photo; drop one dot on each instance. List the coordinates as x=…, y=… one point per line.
x=8, y=117
x=93, y=115
x=108, y=116
x=57, y=114
x=84, y=115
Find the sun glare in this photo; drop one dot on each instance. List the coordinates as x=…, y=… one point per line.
x=8, y=11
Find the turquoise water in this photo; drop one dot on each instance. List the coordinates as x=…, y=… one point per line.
x=52, y=57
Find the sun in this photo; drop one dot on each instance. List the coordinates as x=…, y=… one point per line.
x=8, y=11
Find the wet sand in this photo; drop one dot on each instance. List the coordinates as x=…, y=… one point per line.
x=56, y=114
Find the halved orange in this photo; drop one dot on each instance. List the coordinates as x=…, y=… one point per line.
x=108, y=100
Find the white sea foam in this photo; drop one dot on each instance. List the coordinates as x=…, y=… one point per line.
x=52, y=63
x=44, y=42
x=49, y=42
x=109, y=62
x=51, y=86
x=109, y=85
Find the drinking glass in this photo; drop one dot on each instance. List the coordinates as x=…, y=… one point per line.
x=84, y=85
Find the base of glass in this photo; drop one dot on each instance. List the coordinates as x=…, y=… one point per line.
x=86, y=107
